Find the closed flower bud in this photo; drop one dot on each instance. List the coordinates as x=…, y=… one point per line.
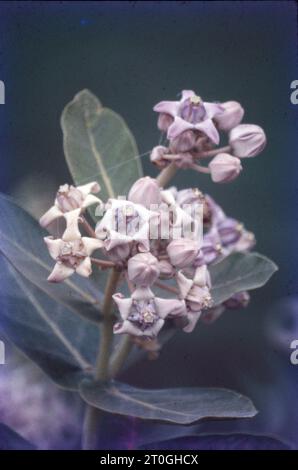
x=167, y=270
x=184, y=142
x=143, y=269
x=224, y=168
x=231, y=116
x=182, y=252
x=247, y=140
x=145, y=191
x=157, y=156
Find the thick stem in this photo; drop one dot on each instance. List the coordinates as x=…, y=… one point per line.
x=200, y=168
x=87, y=227
x=120, y=355
x=166, y=175
x=166, y=287
x=102, y=363
x=102, y=263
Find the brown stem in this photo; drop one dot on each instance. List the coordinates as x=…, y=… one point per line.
x=166, y=175
x=92, y=414
x=102, y=263
x=166, y=287
x=213, y=152
x=87, y=227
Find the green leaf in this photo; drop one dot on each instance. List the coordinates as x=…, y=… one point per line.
x=175, y=405
x=239, y=272
x=99, y=146
x=21, y=242
x=61, y=344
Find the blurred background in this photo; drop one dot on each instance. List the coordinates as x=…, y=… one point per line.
x=132, y=55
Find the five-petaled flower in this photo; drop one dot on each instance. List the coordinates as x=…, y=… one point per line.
x=143, y=314
x=69, y=198
x=71, y=252
x=190, y=113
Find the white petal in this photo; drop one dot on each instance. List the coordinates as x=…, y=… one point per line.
x=84, y=268
x=52, y=214
x=91, y=199
x=172, y=307
x=192, y=321
x=155, y=329
x=89, y=188
x=127, y=328
x=184, y=284
x=91, y=244
x=53, y=246
x=60, y=272
x=72, y=225
x=123, y=304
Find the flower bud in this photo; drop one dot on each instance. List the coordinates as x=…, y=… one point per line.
x=190, y=196
x=247, y=140
x=202, y=277
x=167, y=271
x=145, y=191
x=239, y=300
x=231, y=116
x=143, y=269
x=164, y=121
x=157, y=156
x=182, y=252
x=184, y=142
x=224, y=168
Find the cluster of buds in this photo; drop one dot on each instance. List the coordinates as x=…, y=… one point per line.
x=158, y=238
x=192, y=129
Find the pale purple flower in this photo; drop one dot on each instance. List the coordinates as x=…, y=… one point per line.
x=183, y=223
x=124, y=224
x=69, y=198
x=196, y=293
x=145, y=191
x=182, y=252
x=190, y=113
x=247, y=140
x=230, y=231
x=230, y=117
x=143, y=269
x=211, y=249
x=143, y=314
x=224, y=168
x=71, y=252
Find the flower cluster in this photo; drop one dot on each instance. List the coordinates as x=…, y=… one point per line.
x=193, y=127
x=162, y=238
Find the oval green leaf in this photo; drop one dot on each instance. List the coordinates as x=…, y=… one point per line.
x=239, y=272
x=175, y=405
x=99, y=146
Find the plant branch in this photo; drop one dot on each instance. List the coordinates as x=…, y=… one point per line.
x=87, y=227
x=166, y=175
x=213, y=152
x=102, y=362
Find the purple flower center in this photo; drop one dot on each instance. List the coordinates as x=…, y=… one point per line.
x=72, y=253
x=143, y=313
x=192, y=110
x=69, y=198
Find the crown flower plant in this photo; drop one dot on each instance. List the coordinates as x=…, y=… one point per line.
x=169, y=257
